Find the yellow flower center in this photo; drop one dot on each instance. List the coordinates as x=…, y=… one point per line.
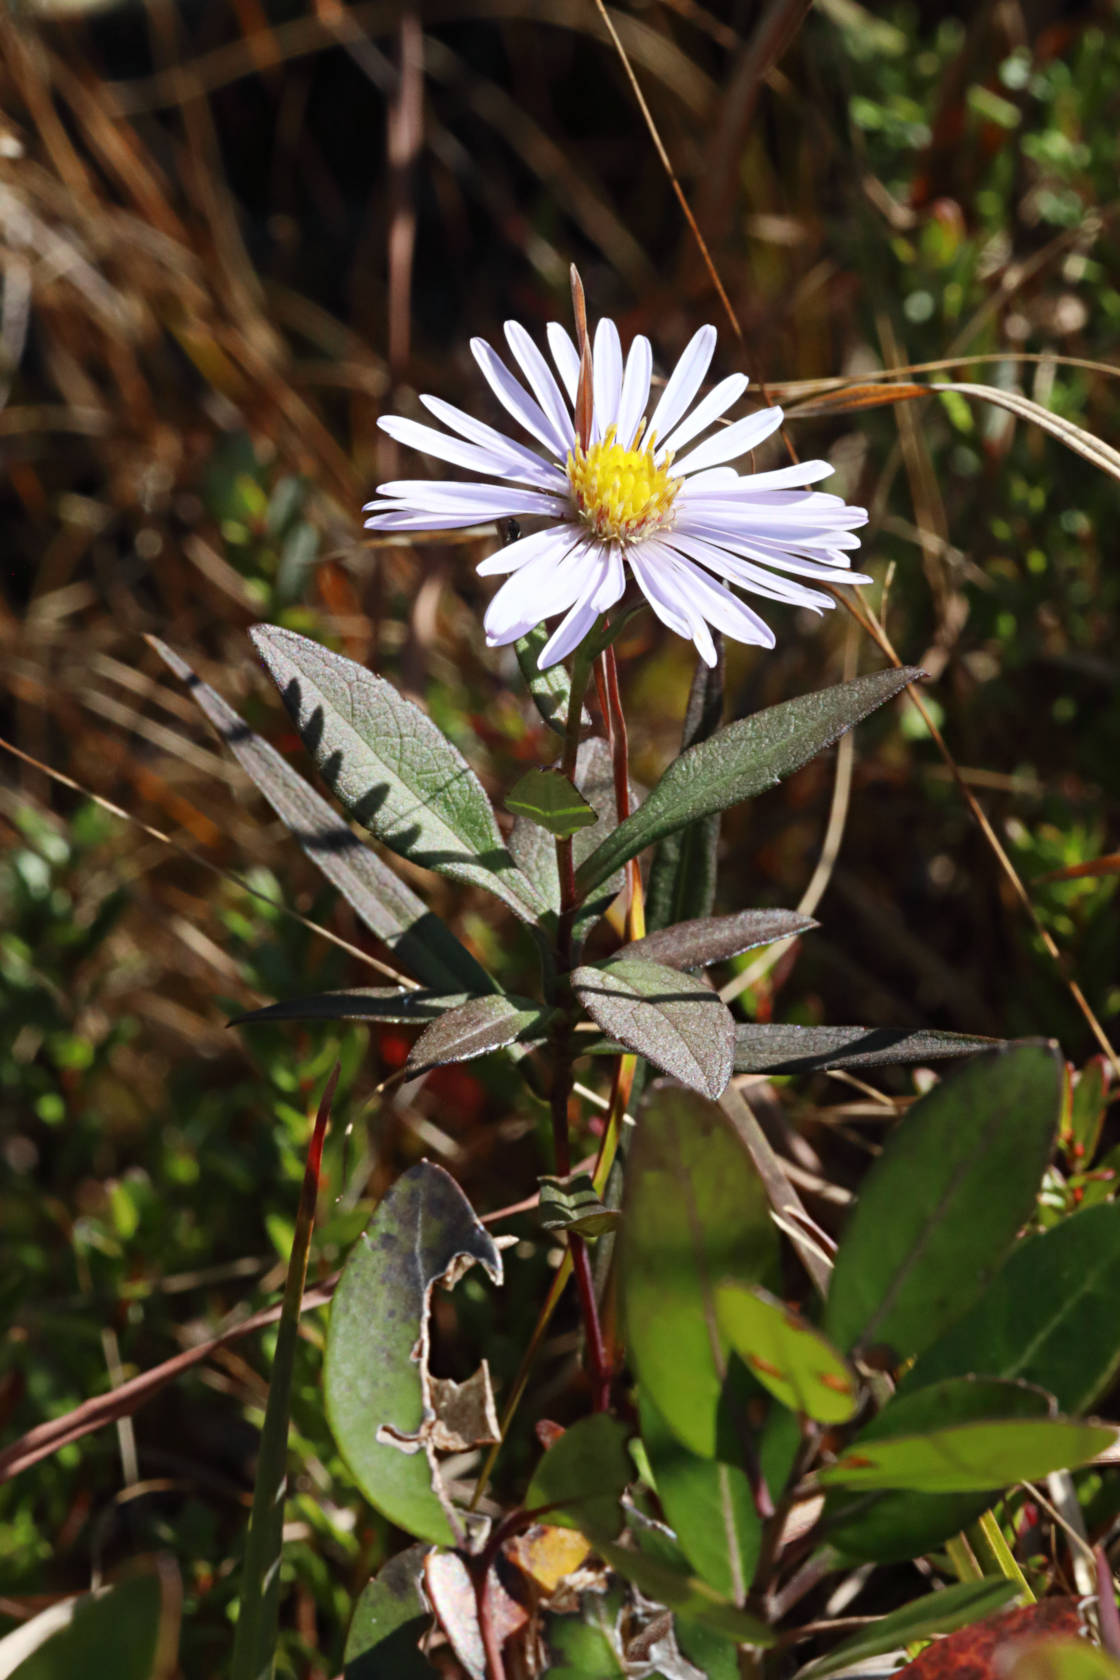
x=621, y=495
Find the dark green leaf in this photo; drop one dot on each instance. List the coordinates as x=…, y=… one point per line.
x=587, y=1645
x=572, y=1204
x=396, y=773
x=474, y=1029
x=388, y=908
x=695, y=1212
x=887, y=1527
x=942, y=1204
x=1045, y=1318
x=1087, y=1109
x=682, y=878
x=740, y=761
x=686, y=1595
x=582, y=1477
x=972, y=1456
x=552, y=689
x=675, y=1020
x=362, y=1003
x=939, y=1612
x=535, y=850
x=389, y=1620
x=799, y=1366
x=776, y=1048
x=712, y=939
x=547, y=798
x=376, y=1378
x=129, y=1632
x=708, y=1503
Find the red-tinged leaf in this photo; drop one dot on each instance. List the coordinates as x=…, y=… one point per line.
x=970, y=1653
x=1109, y=865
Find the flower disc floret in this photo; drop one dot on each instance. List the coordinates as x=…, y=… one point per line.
x=621, y=495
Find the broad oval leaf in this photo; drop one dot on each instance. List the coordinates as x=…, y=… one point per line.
x=475, y=1028
x=1046, y=1317
x=888, y=1527
x=712, y=939
x=376, y=1377
x=942, y=1204
x=582, y=1477
x=361, y=1003
x=799, y=1366
x=549, y=799
x=390, y=1618
x=971, y=1457
x=675, y=1020
x=396, y=773
x=939, y=1612
x=695, y=1211
x=744, y=759
x=388, y=908
x=129, y=1631
x=773, y=1047
x=709, y=1504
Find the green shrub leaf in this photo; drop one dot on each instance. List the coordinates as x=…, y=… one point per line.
x=389, y=1620
x=582, y=1477
x=776, y=1048
x=799, y=1366
x=475, y=1028
x=712, y=939
x=941, y=1206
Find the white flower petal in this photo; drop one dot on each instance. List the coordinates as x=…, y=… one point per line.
x=516, y=400
x=751, y=577
x=580, y=621
x=402, y=519
x=796, y=474
x=477, y=431
x=635, y=390
x=566, y=357
x=684, y=381
x=472, y=457
x=545, y=586
x=730, y=443
x=718, y=400
x=491, y=501
x=818, y=564
x=541, y=380
x=718, y=605
x=774, y=523
x=557, y=540
x=606, y=369
x=657, y=579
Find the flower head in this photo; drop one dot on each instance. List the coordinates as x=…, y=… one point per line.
x=629, y=496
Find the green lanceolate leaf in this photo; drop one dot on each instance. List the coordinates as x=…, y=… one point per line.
x=942, y=1204
x=686, y=1595
x=361, y=1003
x=552, y=689
x=535, y=849
x=547, y=798
x=128, y=1632
x=709, y=1504
x=695, y=1212
x=388, y=908
x=682, y=878
x=396, y=773
x=475, y=1028
x=776, y=1048
x=712, y=939
x=1047, y=1317
x=799, y=1366
x=744, y=759
x=380, y=1401
x=581, y=1478
x=389, y=1620
x=939, y=1612
x=572, y=1204
x=972, y=1456
x=887, y=1527
x=675, y=1020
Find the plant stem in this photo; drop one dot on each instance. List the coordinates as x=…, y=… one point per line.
x=610, y=698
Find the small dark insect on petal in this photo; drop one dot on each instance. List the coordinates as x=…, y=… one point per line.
x=509, y=530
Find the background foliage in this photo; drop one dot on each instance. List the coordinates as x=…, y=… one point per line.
x=233, y=235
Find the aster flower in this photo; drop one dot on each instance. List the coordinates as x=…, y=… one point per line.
x=649, y=493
